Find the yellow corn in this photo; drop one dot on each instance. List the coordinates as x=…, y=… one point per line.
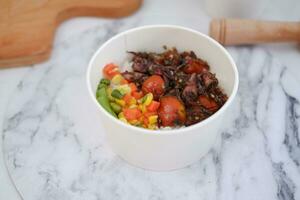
x=153, y=119
x=148, y=99
x=135, y=122
x=117, y=79
x=132, y=106
x=121, y=102
x=132, y=101
x=142, y=108
x=121, y=115
x=152, y=126
x=123, y=120
x=124, y=89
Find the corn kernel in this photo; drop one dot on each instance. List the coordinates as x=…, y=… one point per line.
x=121, y=102
x=153, y=119
x=142, y=108
x=133, y=106
x=132, y=101
x=117, y=79
x=123, y=120
x=148, y=99
x=121, y=115
x=134, y=122
x=152, y=127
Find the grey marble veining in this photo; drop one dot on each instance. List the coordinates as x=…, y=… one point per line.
x=55, y=146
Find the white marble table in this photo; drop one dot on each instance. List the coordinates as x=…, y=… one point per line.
x=54, y=145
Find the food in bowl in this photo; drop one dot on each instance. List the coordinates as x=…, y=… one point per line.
x=162, y=149
x=169, y=89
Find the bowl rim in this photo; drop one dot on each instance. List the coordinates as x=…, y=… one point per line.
x=171, y=131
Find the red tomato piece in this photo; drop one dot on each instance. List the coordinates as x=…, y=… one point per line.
x=154, y=84
x=171, y=111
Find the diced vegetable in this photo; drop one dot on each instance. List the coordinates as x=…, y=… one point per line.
x=142, y=108
x=153, y=106
x=171, y=111
x=127, y=97
x=168, y=89
x=153, y=119
x=137, y=95
x=124, y=89
x=109, y=91
x=123, y=81
x=110, y=70
x=135, y=122
x=155, y=85
x=132, y=113
x=105, y=81
x=116, y=94
x=122, y=117
x=116, y=107
x=133, y=87
x=117, y=79
x=103, y=99
x=152, y=127
x=121, y=102
x=147, y=99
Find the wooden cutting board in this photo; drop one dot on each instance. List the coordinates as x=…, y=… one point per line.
x=27, y=27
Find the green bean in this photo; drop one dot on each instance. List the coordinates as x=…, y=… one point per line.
x=117, y=94
x=103, y=99
x=115, y=107
x=105, y=81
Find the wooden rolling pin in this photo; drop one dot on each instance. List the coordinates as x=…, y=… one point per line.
x=242, y=31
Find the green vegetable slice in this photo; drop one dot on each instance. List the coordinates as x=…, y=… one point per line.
x=116, y=94
x=102, y=98
x=115, y=107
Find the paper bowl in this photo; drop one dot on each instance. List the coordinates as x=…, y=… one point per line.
x=163, y=149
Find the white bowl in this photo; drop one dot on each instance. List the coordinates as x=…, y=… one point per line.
x=163, y=149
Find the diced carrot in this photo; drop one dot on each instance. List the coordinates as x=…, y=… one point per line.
x=154, y=105
x=133, y=87
x=146, y=121
x=148, y=114
x=110, y=70
x=137, y=95
x=127, y=97
x=132, y=113
x=124, y=81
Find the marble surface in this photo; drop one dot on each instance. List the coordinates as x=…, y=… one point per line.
x=54, y=145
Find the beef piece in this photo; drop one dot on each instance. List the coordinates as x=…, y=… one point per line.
x=190, y=91
x=140, y=64
x=195, y=114
x=208, y=80
x=171, y=57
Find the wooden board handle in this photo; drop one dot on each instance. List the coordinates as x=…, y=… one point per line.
x=240, y=31
x=27, y=27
